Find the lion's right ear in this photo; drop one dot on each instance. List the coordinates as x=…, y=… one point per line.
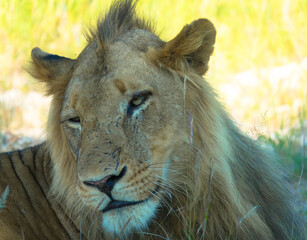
x=51, y=69
x=191, y=48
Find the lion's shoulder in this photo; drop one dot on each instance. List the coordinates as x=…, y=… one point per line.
x=28, y=209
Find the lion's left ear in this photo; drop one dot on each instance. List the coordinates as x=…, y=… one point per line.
x=191, y=48
x=50, y=69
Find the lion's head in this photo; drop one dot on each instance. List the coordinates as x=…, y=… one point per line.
x=138, y=139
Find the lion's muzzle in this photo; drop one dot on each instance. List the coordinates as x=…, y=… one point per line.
x=107, y=183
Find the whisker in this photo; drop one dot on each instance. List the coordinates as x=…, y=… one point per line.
x=161, y=200
x=165, y=168
x=171, y=184
x=165, y=187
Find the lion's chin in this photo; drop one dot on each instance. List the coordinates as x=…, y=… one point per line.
x=123, y=221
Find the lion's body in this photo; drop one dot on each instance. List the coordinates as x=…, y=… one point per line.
x=30, y=212
x=138, y=147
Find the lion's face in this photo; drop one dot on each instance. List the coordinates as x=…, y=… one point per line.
x=123, y=124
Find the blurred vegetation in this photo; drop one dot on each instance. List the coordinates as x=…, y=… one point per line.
x=250, y=33
x=291, y=148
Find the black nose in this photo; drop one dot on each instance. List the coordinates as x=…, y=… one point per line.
x=106, y=184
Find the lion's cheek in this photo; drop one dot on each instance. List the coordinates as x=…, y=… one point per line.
x=164, y=143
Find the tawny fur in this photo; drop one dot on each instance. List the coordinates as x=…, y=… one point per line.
x=201, y=177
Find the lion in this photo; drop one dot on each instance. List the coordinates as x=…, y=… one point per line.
x=139, y=147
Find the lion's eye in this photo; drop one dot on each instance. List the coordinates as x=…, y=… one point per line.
x=137, y=100
x=74, y=120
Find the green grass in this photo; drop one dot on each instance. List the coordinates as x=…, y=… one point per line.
x=293, y=154
x=3, y=198
x=291, y=145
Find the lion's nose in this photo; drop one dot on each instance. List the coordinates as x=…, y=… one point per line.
x=107, y=183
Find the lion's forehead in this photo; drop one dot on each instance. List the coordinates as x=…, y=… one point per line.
x=128, y=51
x=122, y=62
x=95, y=79
x=103, y=97
x=110, y=93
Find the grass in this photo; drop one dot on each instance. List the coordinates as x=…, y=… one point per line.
x=293, y=153
x=3, y=198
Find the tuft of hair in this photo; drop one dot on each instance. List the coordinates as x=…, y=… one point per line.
x=120, y=18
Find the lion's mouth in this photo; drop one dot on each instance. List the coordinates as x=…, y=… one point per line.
x=114, y=204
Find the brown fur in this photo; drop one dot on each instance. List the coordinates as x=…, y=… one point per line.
x=200, y=177
x=120, y=85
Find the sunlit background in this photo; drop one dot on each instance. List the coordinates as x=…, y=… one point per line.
x=259, y=67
